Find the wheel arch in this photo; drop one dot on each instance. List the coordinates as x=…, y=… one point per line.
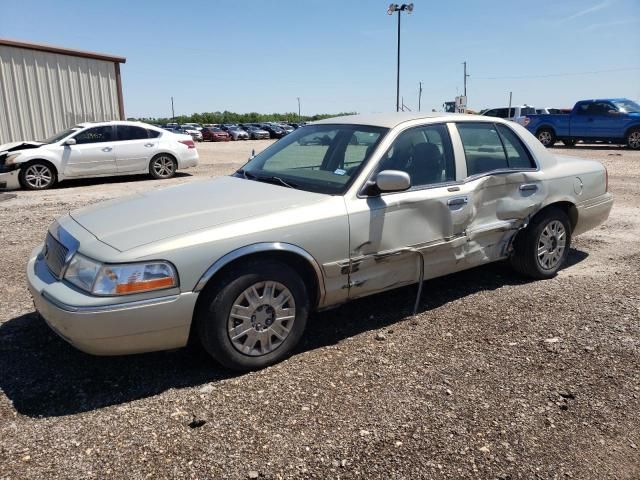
x=635, y=126
x=26, y=163
x=546, y=126
x=566, y=206
x=294, y=256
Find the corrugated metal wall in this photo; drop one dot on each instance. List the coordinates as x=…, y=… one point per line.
x=42, y=93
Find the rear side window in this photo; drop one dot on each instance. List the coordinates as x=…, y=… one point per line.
x=129, y=132
x=489, y=147
x=153, y=133
x=517, y=154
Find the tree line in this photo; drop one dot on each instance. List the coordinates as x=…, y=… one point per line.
x=232, y=117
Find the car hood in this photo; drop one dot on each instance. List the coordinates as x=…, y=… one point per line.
x=15, y=146
x=169, y=212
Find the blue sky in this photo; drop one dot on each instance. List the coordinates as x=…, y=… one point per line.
x=340, y=55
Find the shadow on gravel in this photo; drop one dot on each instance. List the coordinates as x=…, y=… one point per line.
x=44, y=376
x=596, y=146
x=87, y=182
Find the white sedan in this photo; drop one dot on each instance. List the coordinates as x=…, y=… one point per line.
x=96, y=150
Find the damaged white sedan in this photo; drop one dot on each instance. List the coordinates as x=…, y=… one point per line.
x=95, y=150
x=337, y=210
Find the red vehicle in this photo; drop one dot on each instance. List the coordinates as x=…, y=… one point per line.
x=214, y=134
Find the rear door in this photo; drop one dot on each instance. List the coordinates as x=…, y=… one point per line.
x=503, y=186
x=92, y=154
x=134, y=148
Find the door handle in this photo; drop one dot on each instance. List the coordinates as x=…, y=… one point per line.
x=107, y=149
x=148, y=144
x=453, y=202
x=528, y=187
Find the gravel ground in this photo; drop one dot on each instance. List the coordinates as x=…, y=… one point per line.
x=496, y=377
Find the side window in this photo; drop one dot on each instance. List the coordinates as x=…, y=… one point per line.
x=129, y=132
x=95, y=135
x=153, y=133
x=482, y=147
x=491, y=113
x=517, y=154
x=425, y=153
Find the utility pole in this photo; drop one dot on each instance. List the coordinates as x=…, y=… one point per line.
x=173, y=113
x=419, y=95
x=299, y=109
x=465, y=78
x=393, y=8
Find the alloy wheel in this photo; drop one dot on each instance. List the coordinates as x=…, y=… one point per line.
x=164, y=167
x=38, y=176
x=634, y=140
x=261, y=318
x=544, y=137
x=551, y=245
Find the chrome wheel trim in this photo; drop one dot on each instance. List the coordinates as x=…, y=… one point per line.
x=163, y=166
x=634, y=140
x=38, y=176
x=551, y=245
x=261, y=318
x=544, y=137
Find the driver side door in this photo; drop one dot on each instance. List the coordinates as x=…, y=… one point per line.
x=93, y=153
x=389, y=232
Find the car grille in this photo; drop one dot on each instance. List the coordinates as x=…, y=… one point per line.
x=55, y=255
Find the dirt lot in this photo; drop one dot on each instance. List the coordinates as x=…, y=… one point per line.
x=497, y=377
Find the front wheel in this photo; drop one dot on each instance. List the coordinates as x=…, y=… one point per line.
x=37, y=176
x=162, y=167
x=254, y=316
x=542, y=248
x=633, y=139
x=546, y=137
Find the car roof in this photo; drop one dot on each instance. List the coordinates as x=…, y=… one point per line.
x=393, y=119
x=118, y=122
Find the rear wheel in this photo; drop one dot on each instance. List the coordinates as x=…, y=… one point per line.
x=37, y=176
x=633, y=139
x=163, y=166
x=547, y=137
x=542, y=248
x=254, y=316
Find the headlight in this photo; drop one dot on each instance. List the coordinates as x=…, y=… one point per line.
x=120, y=279
x=10, y=160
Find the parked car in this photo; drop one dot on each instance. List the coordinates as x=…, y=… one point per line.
x=237, y=133
x=194, y=132
x=215, y=134
x=615, y=120
x=287, y=128
x=256, y=133
x=193, y=126
x=96, y=150
x=274, y=130
x=517, y=113
x=239, y=262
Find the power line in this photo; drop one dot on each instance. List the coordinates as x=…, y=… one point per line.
x=521, y=77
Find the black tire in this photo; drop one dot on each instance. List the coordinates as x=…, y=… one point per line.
x=37, y=175
x=546, y=136
x=526, y=259
x=163, y=166
x=633, y=139
x=570, y=143
x=212, y=320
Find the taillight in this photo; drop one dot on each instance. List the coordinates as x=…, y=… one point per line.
x=526, y=121
x=188, y=143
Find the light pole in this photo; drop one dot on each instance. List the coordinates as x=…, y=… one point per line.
x=394, y=7
x=298, y=109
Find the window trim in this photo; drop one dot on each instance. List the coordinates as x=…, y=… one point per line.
x=497, y=171
x=361, y=191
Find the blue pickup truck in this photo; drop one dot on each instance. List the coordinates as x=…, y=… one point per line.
x=613, y=120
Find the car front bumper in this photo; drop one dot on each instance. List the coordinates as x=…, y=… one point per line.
x=121, y=326
x=9, y=180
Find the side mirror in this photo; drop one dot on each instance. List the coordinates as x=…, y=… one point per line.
x=71, y=141
x=393, y=181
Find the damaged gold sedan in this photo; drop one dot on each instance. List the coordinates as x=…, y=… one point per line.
x=336, y=210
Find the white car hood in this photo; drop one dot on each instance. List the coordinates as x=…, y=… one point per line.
x=169, y=212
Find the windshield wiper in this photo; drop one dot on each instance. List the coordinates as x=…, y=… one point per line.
x=246, y=174
x=274, y=179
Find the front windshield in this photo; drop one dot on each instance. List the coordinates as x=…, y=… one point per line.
x=627, y=106
x=318, y=158
x=59, y=136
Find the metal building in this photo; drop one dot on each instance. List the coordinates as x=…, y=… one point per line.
x=45, y=89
